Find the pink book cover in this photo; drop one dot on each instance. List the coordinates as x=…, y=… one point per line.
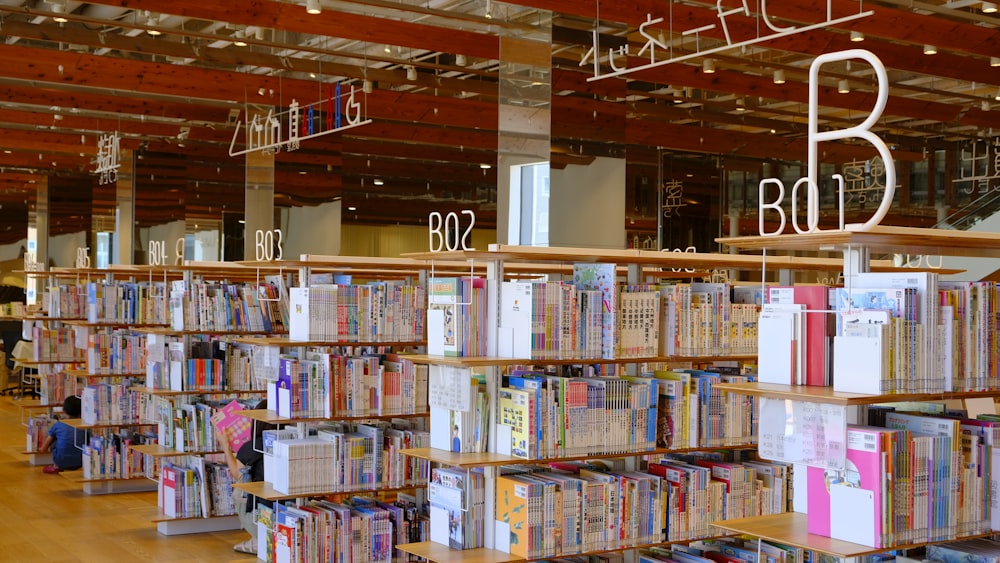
x=816, y=298
x=818, y=500
x=235, y=428
x=864, y=471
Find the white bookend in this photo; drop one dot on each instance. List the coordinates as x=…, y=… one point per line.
x=777, y=346
x=859, y=363
x=298, y=313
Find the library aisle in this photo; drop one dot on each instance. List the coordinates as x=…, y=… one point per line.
x=49, y=518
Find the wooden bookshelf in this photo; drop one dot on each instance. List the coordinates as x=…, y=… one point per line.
x=168, y=526
x=462, y=460
x=157, y=450
x=194, y=332
x=170, y=393
x=791, y=528
x=814, y=394
x=114, y=323
x=33, y=363
x=890, y=240
x=444, y=554
x=271, y=417
x=265, y=490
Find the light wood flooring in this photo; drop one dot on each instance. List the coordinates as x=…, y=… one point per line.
x=48, y=517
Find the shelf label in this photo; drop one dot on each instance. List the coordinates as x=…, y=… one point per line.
x=801, y=432
x=157, y=253
x=449, y=387
x=82, y=257
x=268, y=245
x=445, y=230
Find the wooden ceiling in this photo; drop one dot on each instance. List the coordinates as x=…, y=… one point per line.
x=173, y=96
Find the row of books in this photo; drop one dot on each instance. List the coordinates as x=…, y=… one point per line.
x=708, y=319
x=103, y=403
x=597, y=506
x=388, y=311
x=547, y=416
x=125, y=302
x=199, y=489
x=54, y=384
x=64, y=301
x=343, y=457
x=918, y=479
x=456, y=316
x=55, y=344
x=188, y=427
x=115, y=351
x=329, y=385
x=108, y=455
x=355, y=530
x=737, y=550
x=457, y=507
x=247, y=307
x=200, y=363
x=37, y=428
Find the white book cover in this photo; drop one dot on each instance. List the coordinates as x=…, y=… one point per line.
x=298, y=313
x=860, y=362
x=515, y=324
x=777, y=346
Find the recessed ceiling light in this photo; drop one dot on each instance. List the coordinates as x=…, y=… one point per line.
x=303, y=172
x=378, y=182
x=989, y=8
x=485, y=166
x=352, y=208
x=930, y=50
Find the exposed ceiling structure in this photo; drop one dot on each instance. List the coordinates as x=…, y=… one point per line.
x=173, y=78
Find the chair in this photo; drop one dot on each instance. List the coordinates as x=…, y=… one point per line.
x=21, y=374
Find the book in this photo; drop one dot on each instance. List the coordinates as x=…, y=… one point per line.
x=815, y=300
x=444, y=317
x=235, y=429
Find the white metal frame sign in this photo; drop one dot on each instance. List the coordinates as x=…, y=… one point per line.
x=286, y=129
x=724, y=10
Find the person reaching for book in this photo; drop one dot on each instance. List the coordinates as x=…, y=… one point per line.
x=64, y=441
x=245, y=465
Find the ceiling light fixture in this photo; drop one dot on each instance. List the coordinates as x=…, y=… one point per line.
x=779, y=76
x=260, y=91
x=485, y=166
x=489, y=10
x=387, y=49
x=708, y=66
x=59, y=8
x=997, y=96
x=367, y=86
x=460, y=60
x=238, y=38
x=313, y=7
x=378, y=182
x=152, y=20
x=741, y=105
x=411, y=72
x=844, y=87
x=986, y=105
x=994, y=61
x=857, y=36
x=352, y=208
x=989, y=8
x=930, y=50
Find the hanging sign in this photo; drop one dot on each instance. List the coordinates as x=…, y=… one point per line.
x=810, y=182
x=673, y=194
x=108, y=157
x=286, y=129
x=660, y=53
x=979, y=166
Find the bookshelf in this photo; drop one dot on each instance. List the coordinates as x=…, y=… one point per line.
x=806, y=530
x=497, y=262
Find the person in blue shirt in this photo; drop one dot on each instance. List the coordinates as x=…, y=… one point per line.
x=64, y=441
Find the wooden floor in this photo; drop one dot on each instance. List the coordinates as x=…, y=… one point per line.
x=48, y=517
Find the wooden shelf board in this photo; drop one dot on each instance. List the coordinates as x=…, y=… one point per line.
x=30, y=363
x=486, y=361
x=461, y=460
x=816, y=394
x=285, y=341
x=36, y=405
x=271, y=417
x=79, y=425
x=906, y=240
x=169, y=393
x=265, y=490
x=190, y=332
x=161, y=517
x=157, y=450
x=115, y=480
x=114, y=323
x=442, y=553
x=791, y=528
x=85, y=373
